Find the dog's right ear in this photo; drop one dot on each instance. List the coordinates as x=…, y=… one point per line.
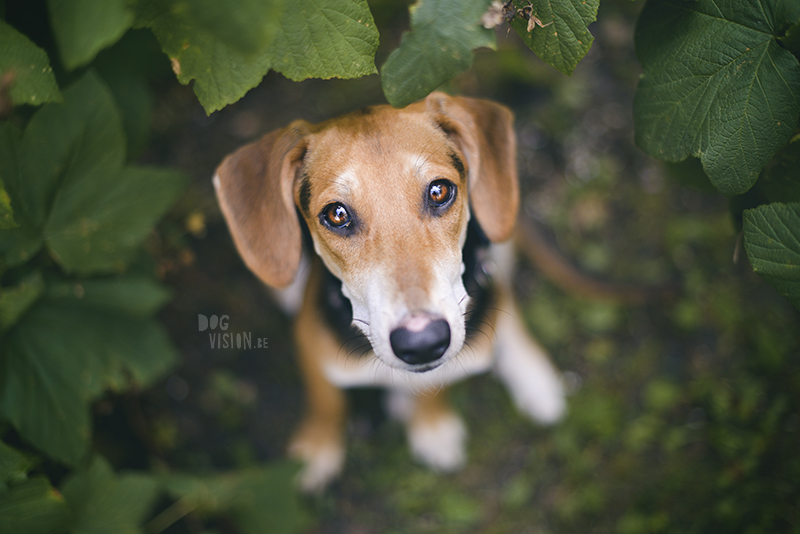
x=254, y=188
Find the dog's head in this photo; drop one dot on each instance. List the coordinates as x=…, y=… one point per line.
x=386, y=195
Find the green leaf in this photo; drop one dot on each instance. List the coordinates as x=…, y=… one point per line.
x=33, y=79
x=16, y=300
x=62, y=354
x=137, y=296
x=84, y=27
x=772, y=242
x=222, y=73
x=716, y=85
x=228, y=51
x=98, y=222
x=248, y=25
x=33, y=507
x=70, y=189
x=325, y=39
x=14, y=466
x=103, y=502
x=438, y=47
x=563, y=38
x=258, y=499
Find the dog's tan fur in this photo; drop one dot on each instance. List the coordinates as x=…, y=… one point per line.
x=399, y=267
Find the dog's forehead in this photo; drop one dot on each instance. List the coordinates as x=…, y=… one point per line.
x=381, y=145
x=379, y=133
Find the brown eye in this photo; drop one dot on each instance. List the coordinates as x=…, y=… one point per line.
x=336, y=215
x=441, y=192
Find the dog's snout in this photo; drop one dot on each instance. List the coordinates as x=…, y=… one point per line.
x=417, y=344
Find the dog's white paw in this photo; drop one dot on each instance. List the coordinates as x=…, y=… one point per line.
x=440, y=443
x=537, y=391
x=322, y=463
x=534, y=384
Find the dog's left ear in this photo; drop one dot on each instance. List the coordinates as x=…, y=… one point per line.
x=484, y=132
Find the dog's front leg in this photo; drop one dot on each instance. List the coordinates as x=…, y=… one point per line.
x=436, y=435
x=523, y=365
x=319, y=441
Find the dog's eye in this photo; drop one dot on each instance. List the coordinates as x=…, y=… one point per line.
x=336, y=215
x=441, y=192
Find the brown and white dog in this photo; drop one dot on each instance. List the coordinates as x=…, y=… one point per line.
x=405, y=209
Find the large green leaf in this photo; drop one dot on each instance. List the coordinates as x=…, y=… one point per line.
x=325, y=39
x=33, y=507
x=33, y=79
x=438, y=47
x=103, y=502
x=68, y=349
x=84, y=27
x=717, y=85
x=70, y=189
x=258, y=499
x=221, y=70
x=772, y=242
x=563, y=38
x=228, y=51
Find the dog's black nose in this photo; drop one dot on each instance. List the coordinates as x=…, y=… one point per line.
x=422, y=346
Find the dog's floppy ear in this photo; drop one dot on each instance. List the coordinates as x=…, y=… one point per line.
x=484, y=131
x=254, y=188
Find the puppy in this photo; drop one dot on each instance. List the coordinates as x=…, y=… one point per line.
x=409, y=285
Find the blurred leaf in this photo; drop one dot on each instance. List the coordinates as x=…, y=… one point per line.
x=33, y=80
x=103, y=502
x=33, y=507
x=6, y=213
x=127, y=68
x=98, y=222
x=71, y=188
x=137, y=296
x=662, y=395
x=258, y=499
x=84, y=27
x=772, y=242
x=716, y=85
x=325, y=39
x=17, y=245
x=14, y=466
x=14, y=301
x=60, y=356
x=564, y=37
x=247, y=25
x=438, y=47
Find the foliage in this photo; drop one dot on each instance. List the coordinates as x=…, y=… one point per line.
x=722, y=82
